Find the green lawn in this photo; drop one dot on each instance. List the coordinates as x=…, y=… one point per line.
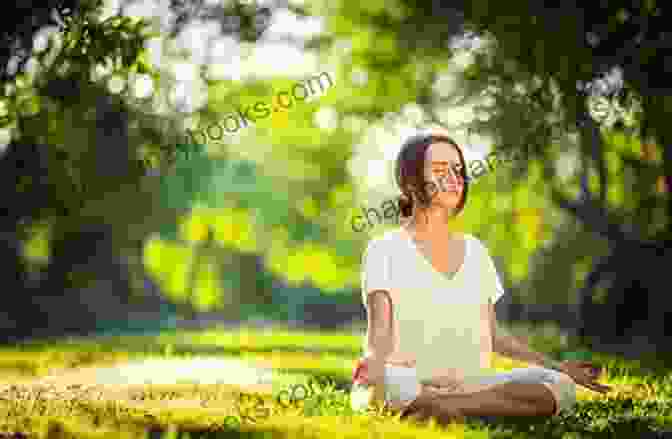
x=638, y=408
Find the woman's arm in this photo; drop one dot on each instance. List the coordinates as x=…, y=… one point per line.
x=379, y=329
x=509, y=346
x=379, y=339
x=584, y=373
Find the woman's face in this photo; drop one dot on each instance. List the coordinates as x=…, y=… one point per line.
x=443, y=169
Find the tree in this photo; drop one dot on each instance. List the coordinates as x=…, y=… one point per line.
x=71, y=166
x=541, y=66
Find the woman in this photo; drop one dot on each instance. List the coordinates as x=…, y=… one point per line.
x=430, y=293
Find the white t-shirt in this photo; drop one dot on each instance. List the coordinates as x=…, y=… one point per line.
x=440, y=323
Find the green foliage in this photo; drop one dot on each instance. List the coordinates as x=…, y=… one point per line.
x=283, y=187
x=82, y=129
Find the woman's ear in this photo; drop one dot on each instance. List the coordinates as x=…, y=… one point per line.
x=431, y=189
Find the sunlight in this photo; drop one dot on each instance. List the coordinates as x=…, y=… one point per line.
x=175, y=370
x=285, y=22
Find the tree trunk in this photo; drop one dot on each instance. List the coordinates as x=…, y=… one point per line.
x=80, y=259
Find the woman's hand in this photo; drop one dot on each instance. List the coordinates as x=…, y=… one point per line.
x=585, y=374
x=369, y=371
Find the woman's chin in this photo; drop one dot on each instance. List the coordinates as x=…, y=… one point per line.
x=448, y=202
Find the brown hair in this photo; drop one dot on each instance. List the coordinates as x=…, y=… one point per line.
x=410, y=176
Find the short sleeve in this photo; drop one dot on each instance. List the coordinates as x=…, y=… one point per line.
x=375, y=269
x=490, y=280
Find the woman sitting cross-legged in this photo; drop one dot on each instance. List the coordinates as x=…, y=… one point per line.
x=430, y=293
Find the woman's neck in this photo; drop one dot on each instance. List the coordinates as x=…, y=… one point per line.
x=432, y=222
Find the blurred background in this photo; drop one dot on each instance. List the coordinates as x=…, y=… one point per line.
x=258, y=227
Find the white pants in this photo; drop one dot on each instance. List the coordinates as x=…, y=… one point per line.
x=402, y=385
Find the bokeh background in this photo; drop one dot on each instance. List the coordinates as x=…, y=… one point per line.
x=258, y=227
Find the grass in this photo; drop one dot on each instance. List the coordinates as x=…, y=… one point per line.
x=638, y=407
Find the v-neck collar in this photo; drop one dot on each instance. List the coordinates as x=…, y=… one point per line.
x=431, y=267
